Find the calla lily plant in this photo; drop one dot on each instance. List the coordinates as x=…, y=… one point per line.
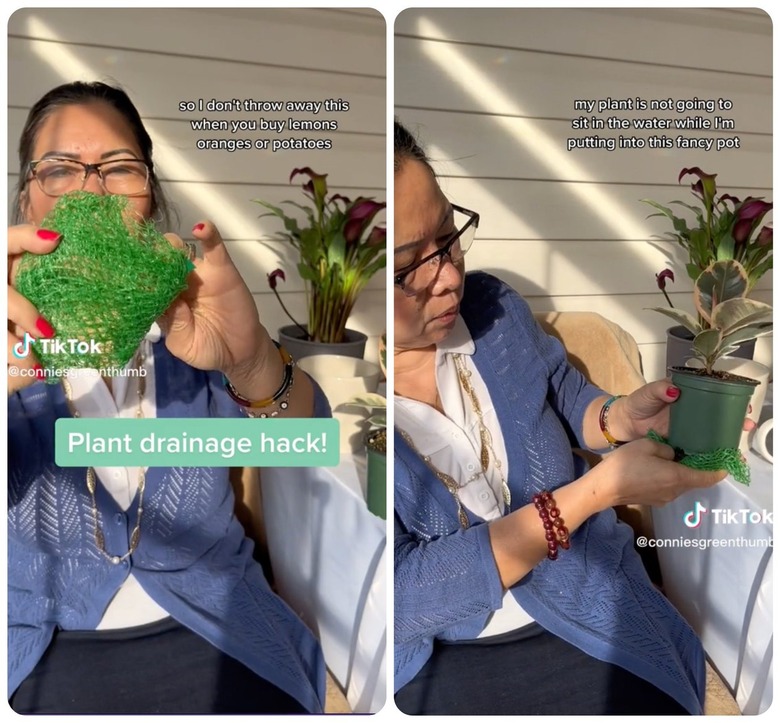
x=726, y=229
x=339, y=250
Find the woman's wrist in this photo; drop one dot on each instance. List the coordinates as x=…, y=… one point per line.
x=620, y=427
x=519, y=539
x=595, y=490
x=260, y=376
x=606, y=423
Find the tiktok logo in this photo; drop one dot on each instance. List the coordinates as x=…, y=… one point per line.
x=692, y=518
x=22, y=349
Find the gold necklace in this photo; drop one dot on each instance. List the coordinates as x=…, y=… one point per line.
x=445, y=479
x=135, y=535
x=485, y=438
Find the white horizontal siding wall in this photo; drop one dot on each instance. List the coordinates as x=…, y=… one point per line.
x=164, y=56
x=491, y=94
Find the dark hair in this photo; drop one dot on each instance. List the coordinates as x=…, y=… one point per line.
x=80, y=93
x=406, y=147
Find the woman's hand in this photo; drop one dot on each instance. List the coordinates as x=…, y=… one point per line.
x=214, y=324
x=633, y=416
x=643, y=472
x=23, y=317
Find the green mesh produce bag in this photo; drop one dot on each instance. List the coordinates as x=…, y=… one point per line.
x=728, y=459
x=106, y=282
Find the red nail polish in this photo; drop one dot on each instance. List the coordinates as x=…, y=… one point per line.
x=47, y=235
x=199, y=227
x=673, y=392
x=45, y=328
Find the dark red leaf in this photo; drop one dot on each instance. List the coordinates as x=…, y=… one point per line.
x=705, y=186
x=696, y=171
x=741, y=230
x=359, y=217
x=273, y=276
x=378, y=236
x=753, y=209
x=728, y=197
x=765, y=236
x=317, y=185
x=663, y=276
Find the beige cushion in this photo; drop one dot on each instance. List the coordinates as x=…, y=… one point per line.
x=605, y=353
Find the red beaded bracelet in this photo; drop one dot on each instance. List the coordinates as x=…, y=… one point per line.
x=555, y=531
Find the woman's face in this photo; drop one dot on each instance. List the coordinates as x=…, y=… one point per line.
x=423, y=223
x=90, y=133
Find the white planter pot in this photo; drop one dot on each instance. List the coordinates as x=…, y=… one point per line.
x=341, y=378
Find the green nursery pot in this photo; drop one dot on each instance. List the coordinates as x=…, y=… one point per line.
x=376, y=487
x=709, y=413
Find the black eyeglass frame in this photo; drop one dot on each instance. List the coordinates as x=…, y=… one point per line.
x=398, y=280
x=88, y=168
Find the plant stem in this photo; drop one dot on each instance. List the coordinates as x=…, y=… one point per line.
x=668, y=300
x=284, y=308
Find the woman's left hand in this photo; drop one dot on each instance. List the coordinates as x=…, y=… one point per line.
x=633, y=416
x=214, y=324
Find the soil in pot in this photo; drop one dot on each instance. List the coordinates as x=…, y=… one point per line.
x=717, y=374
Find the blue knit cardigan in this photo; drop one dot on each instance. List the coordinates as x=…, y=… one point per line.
x=597, y=595
x=193, y=558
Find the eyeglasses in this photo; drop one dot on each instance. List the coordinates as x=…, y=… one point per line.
x=121, y=177
x=420, y=275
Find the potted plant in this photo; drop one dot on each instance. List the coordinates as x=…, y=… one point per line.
x=710, y=411
x=376, y=451
x=725, y=228
x=338, y=252
x=376, y=441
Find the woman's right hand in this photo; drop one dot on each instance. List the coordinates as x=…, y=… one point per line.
x=640, y=472
x=23, y=317
x=644, y=472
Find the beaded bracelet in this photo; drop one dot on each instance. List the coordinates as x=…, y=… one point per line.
x=283, y=393
x=555, y=531
x=603, y=414
x=266, y=412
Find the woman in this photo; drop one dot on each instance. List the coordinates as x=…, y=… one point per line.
x=155, y=560
x=501, y=608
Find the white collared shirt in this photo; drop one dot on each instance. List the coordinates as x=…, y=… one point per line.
x=452, y=442
x=91, y=398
